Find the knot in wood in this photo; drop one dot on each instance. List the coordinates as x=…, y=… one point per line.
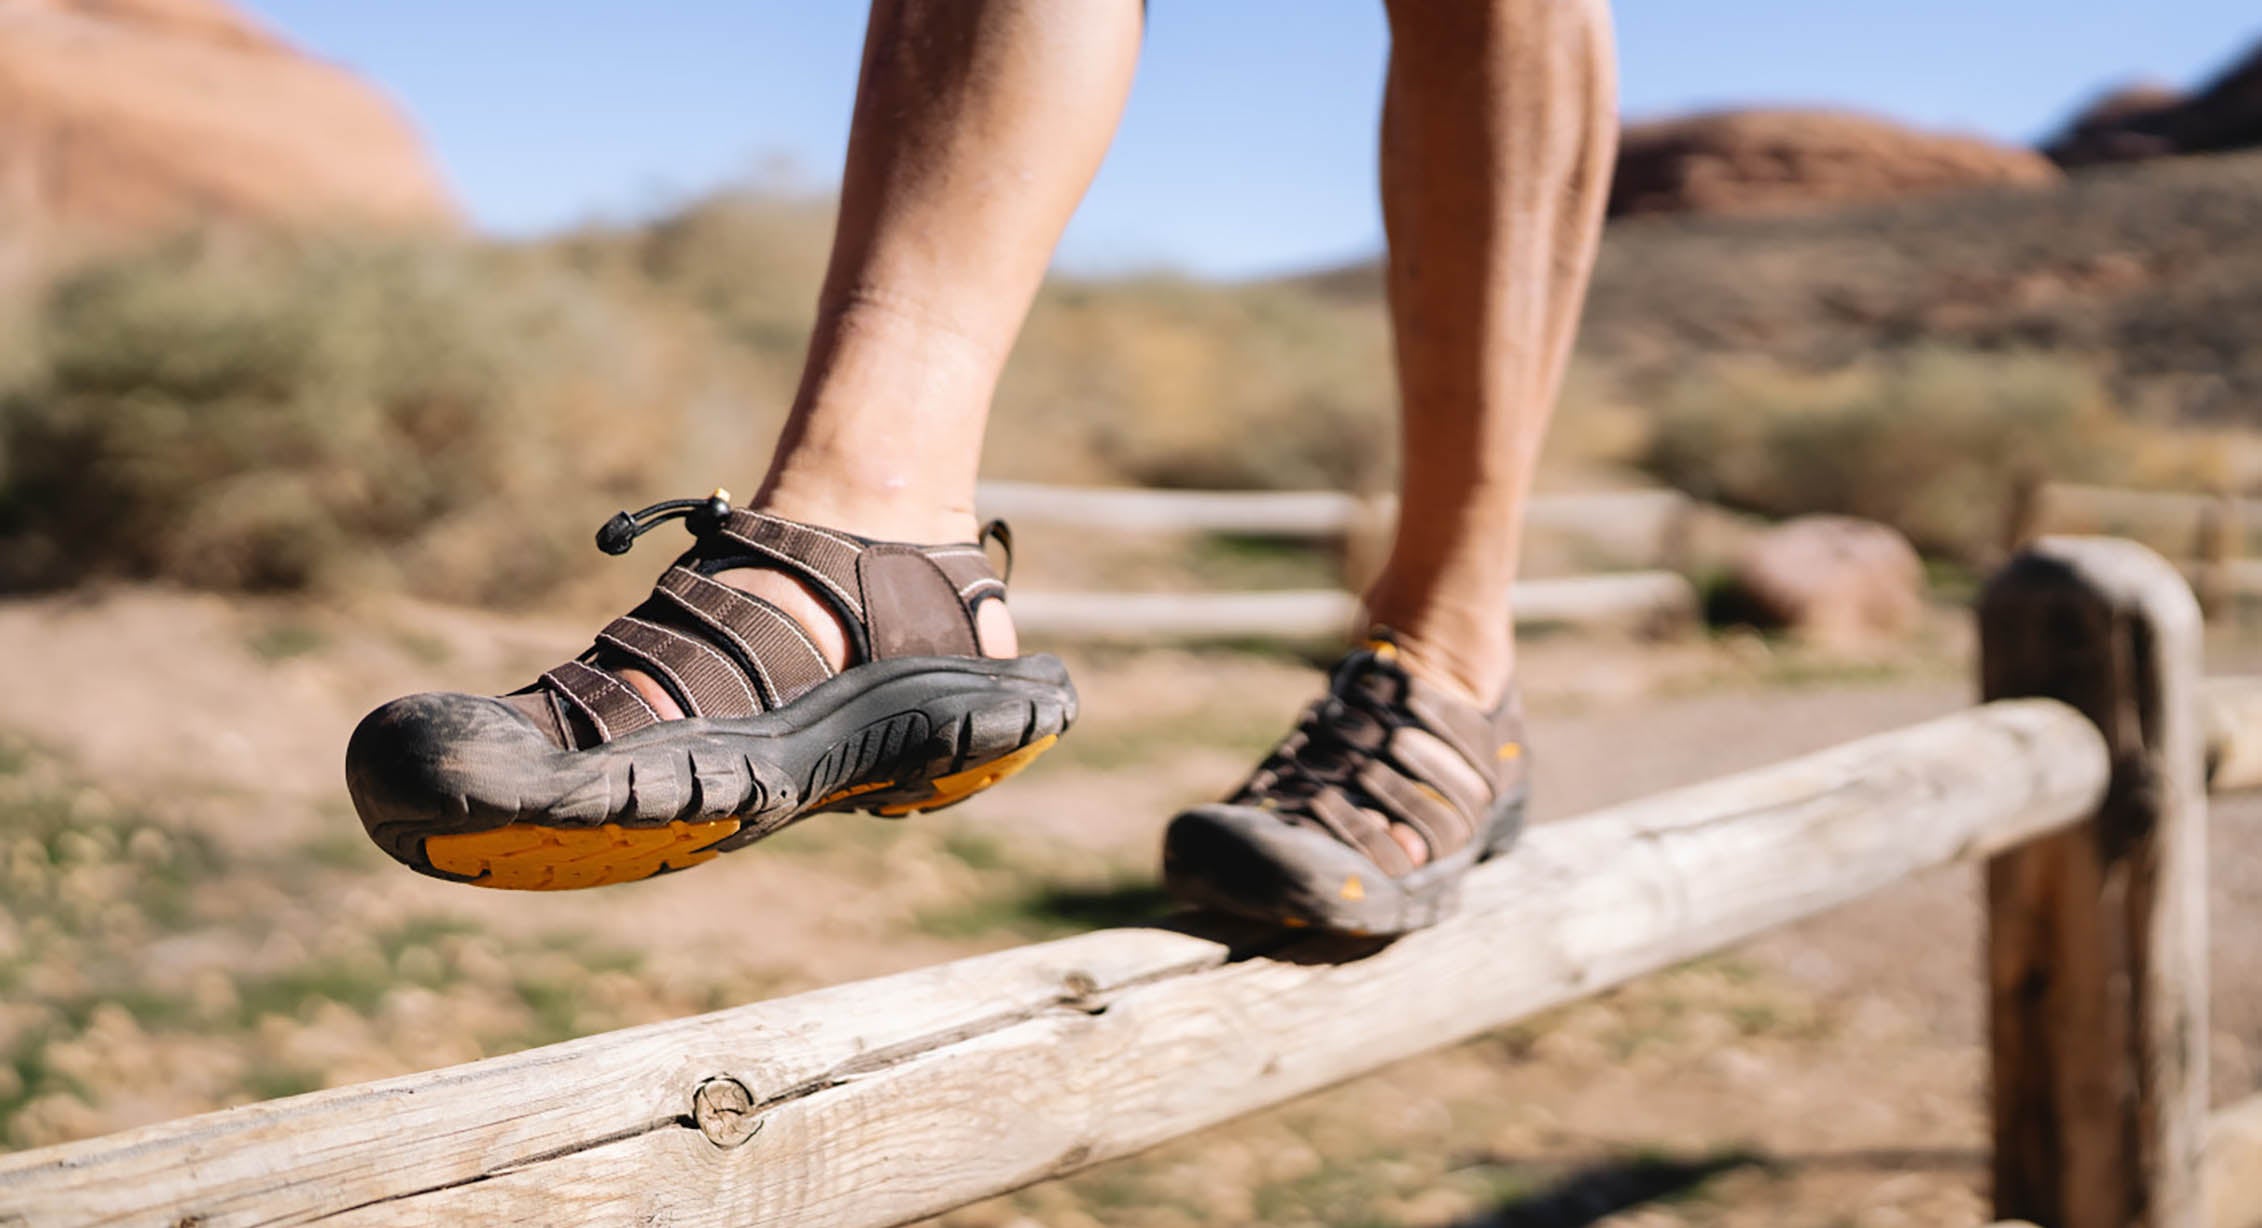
x=724, y=1110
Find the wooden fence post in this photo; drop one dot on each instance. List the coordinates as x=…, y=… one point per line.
x=2221, y=541
x=2022, y=511
x=2097, y=951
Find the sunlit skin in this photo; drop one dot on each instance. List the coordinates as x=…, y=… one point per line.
x=978, y=126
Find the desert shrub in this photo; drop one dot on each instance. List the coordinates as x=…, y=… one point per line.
x=1930, y=442
x=1163, y=381
x=270, y=412
x=750, y=261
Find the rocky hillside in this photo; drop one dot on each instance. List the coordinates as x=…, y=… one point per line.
x=2149, y=121
x=1772, y=161
x=126, y=115
x=2150, y=273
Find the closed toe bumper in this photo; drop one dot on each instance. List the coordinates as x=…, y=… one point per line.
x=465, y=787
x=421, y=761
x=1247, y=861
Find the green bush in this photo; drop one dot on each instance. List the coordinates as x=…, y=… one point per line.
x=264, y=412
x=1930, y=442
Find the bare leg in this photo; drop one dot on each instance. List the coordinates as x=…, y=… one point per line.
x=978, y=126
x=1498, y=135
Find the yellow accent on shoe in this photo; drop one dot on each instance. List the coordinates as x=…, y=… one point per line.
x=958, y=786
x=1509, y=750
x=843, y=794
x=532, y=857
x=1353, y=889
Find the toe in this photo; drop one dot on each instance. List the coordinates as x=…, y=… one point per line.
x=416, y=764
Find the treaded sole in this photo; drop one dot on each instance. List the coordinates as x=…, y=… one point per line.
x=474, y=802
x=531, y=857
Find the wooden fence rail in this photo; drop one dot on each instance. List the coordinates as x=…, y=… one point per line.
x=1311, y=514
x=883, y=1101
x=2207, y=534
x=1636, y=600
x=1649, y=600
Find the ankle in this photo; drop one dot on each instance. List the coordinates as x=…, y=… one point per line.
x=882, y=514
x=1480, y=678
x=1453, y=625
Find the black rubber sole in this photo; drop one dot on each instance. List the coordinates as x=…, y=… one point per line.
x=889, y=737
x=1250, y=863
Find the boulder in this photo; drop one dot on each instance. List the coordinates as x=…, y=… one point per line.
x=2139, y=122
x=1782, y=160
x=130, y=115
x=1835, y=580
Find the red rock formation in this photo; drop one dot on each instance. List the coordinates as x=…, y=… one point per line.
x=132, y=114
x=1772, y=161
x=2149, y=122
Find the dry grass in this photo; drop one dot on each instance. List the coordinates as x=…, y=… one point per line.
x=269, y=413
x=147, y=973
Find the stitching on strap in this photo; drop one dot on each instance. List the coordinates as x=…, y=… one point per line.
x=672, y=681
x=679, y=586
x=683, y=681
x=708, y=652
x=737, y=615
x=801, y=568
x=603, y=688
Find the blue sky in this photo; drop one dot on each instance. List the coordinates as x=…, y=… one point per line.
x=1247, y=147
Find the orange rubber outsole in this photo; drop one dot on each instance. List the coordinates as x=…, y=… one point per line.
x=539, y=857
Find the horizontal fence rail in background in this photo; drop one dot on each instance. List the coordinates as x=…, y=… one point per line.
x=1649, y=601
x=1640, y=600
x=2207, y=534
x=884, y=1101
x=1315, y=513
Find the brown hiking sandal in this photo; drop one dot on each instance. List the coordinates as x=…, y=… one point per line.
x=1307, y=841
x=574, y=781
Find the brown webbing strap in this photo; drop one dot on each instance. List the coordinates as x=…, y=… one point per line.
x=702, y=678
x=1441, y=825
x=786, y=663
x=1360, y=828
x=821, y=556
x=612, y=708
x=969, y=571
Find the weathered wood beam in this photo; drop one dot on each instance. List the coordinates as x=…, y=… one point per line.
x=889, y=1100
x=1643, y=600
x=2175, y=517
x=1267, y=513
x=2097, y=936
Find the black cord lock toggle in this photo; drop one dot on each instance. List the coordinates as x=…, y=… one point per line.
x=701, y=516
